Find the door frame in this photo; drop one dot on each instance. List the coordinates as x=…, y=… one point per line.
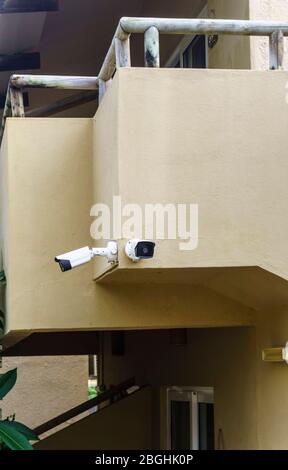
x=193, y=394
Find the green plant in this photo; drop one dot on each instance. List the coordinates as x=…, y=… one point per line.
x=13, y=435
x=92, y=392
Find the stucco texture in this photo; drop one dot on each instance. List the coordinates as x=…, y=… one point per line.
x=230, y=52
x=206, y=137
x=45, y=387
x=274, y=10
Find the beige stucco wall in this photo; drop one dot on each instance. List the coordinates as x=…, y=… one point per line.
x=272, y=381
x=230, y=52
x=45, y=387
x=275, y=10
x=49, y=191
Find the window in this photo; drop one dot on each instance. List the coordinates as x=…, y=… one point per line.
x=194, y=55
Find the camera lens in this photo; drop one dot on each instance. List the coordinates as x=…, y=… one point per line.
x=145, y=250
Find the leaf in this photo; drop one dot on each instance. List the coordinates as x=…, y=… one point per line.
x=7, y=381
x=27, y=432
x=12, y=438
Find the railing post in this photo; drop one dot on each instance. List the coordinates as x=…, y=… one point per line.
x=280, y=49
x=17, y=104
x=276, y=49
x=6, y=112
x=151, y=47
x=122, y=52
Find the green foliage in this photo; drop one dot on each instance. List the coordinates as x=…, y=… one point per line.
x=27, y=432
x=13, y=435
x=7, y=381
x=92, y=392
x=12, y=438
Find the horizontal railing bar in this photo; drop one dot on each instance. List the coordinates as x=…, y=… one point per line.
x=203, y=26
x=129, y=25
x=87, y=405
x=62, y=82
x=63, y=105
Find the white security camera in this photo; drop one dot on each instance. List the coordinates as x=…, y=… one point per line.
x=75, y=258
x=139, y=249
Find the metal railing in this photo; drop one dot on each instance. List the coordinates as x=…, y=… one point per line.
x=116, y=393
x=118, y=56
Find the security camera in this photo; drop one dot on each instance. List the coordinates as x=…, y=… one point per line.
x=75, y=258
x=139, y=249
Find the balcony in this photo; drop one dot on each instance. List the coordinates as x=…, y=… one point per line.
x=215, y=138
x=209, y=137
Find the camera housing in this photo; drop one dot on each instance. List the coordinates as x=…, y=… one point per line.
x=139, y=249
x=75, y=258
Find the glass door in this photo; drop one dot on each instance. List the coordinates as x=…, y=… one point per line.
x=190, y=418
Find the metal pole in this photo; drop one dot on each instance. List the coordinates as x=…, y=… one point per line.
x=151, y=47
x=203, y=26
x=276, y=50
x=17, y=103
x=122, y=52
x=54, y=81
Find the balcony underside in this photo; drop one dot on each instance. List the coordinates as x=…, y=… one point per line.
x=156, y=299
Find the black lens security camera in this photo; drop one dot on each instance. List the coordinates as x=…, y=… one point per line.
x=139, y=249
